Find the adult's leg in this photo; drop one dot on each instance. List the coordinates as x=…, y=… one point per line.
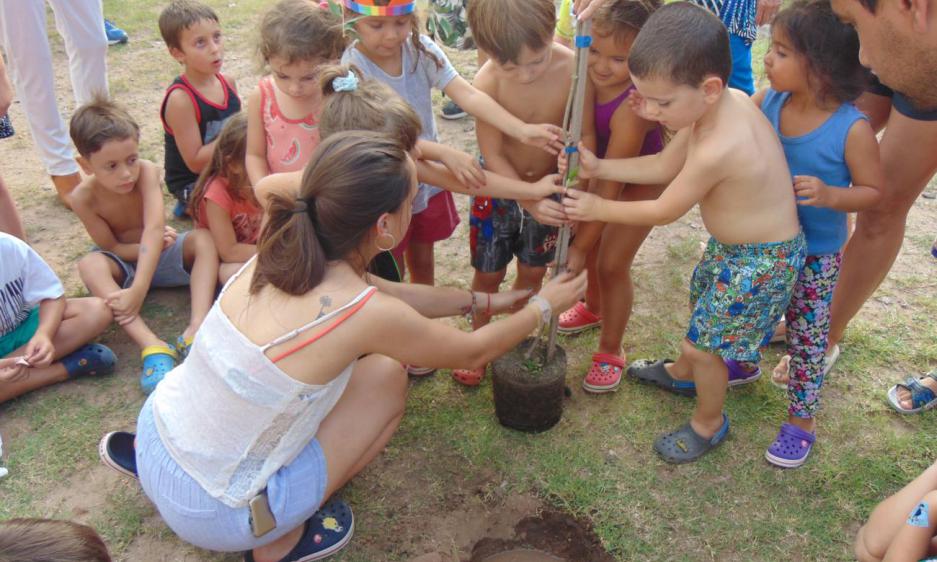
x=909, y=159
x=81, y=25
x=10, y=221
x=355, y=432
x=888, y=517
x=82, y=321
x=23, y=34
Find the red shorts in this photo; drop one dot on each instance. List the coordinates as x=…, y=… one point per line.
x=437, y=222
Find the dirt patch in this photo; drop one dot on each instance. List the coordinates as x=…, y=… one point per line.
x=553, y=533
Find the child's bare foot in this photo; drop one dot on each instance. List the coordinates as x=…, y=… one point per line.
x=781, y=374
x=914, y=395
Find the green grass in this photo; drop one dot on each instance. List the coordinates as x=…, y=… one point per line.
x=450, y=456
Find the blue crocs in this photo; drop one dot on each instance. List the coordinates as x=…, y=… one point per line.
x=157, y=361
x=183, y=345
x=327, y=531
x=91, y=359
x=685, y=445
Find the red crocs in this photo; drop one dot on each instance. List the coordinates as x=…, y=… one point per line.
x=469, y=377
x=578, y=319
x=605, y=373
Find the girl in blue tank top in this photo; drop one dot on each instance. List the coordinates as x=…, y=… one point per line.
x=813, y=66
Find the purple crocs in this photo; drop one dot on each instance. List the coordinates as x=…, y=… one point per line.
x=739, y=375
x=791, y=447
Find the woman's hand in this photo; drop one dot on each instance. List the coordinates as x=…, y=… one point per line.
x=564, y=290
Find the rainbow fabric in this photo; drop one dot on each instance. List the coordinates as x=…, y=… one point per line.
x=394, y=7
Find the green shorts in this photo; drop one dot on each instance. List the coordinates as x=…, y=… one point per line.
x=20, y=335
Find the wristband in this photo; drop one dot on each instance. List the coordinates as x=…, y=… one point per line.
x=546, y=311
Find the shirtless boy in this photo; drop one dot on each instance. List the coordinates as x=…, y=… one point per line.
x=121, y=206
x=529, y=75
x=727, y=158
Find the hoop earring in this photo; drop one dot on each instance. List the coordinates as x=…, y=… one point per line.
x=393, y=242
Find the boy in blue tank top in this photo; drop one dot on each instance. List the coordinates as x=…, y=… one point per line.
x=199, y=100
x=815, y=75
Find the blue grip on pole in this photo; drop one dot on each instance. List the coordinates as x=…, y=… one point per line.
x=571, y=149
x=583, y=41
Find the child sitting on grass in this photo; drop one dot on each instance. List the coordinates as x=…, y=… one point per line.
x=297, y=38
x=121, y=206
x=815, y=74
x=726, y=158
x=43, y=335
x=199, y=100
x=223, y=201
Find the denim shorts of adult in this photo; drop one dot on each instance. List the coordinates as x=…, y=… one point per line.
x=295, y=493
x=900, y=102
x=170, y=269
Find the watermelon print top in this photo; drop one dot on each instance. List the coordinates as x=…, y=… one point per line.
x=290, y=142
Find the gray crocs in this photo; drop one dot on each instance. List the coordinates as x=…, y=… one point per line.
x=685, y=445
x=655, y=373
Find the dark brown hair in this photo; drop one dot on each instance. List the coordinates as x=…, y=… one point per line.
x=415, y=40
x=352, y=179
x=372, y=106
x=42, y=540
x=227, y=162
x=622, y=19
x=299, y=30
x=178, y=16
x=683, y=43
x=502, y=28
x=829, y=47
x=98, y=122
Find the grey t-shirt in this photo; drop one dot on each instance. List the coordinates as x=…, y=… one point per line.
x=414, y=86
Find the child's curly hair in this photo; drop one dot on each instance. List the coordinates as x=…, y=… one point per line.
x=829, y=47
x=299, y=30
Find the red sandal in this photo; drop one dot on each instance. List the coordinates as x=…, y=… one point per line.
x=605, y=373
x=578, y=319
x=469, y=377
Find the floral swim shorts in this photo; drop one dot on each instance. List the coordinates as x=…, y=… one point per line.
x=739, y=292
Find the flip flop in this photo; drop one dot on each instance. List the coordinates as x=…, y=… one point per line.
x=157, y=361
x=655, y=373
x=326, y=532
x=779, y=335
x=91, y=359
x=830, y=359
x=739, y=375
x=117, y=451
x=791, y=447
x=685, y=445
x=578, y=319
x=605, y=373
x=922, y=398
x=420, y=371
x=781, y=374
x=469, y=377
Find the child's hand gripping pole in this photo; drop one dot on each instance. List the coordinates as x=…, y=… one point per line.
x=572, y=122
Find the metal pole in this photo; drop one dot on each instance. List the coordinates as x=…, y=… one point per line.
x=572, y=122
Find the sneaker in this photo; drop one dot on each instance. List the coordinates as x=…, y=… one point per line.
x=181, y=210
x=115, y=35
x=117, y=451
x=452, y=111
x=791, y=447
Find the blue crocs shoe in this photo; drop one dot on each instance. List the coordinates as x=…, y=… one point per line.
x=157, y=361
x=91, y=359
x=327, y=531
x=115, y=35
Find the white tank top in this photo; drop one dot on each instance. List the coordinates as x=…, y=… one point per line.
x=231, y=418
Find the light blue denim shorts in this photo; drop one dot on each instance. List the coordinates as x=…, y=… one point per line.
x=295, y=493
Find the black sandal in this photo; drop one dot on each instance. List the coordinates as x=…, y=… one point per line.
x=655, y=373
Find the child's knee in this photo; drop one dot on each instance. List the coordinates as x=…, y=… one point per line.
x=199, y=243
x=99, y=313
x=696, y=355
x=93, y=266
x=861, y=547
x=612, y=268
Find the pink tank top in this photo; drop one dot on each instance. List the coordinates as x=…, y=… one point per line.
x=603, y=127
x=289, y=142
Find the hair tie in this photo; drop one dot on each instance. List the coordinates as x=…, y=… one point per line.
x=324, y=4
x=301, y=207
x=345, y=83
